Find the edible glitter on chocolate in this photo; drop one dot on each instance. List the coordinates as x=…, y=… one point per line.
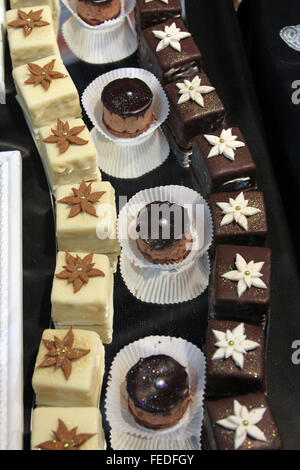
x=157, y=384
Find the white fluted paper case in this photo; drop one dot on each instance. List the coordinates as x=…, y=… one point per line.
x=201, y=225
x=124, y=441
x=116, y=401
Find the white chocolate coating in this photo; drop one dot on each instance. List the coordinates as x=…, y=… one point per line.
x=54, y=5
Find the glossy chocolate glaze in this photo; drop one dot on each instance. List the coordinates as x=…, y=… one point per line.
x=175, y=226
x=157, y=383
x=97, y=2
x=127, y=97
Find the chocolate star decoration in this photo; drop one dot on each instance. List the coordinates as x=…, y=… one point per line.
x=65, y=439
x=28, y=21
x=82, y=200
x=61, y=353
x=43, y=75
x=79, y=270
x=63, y=136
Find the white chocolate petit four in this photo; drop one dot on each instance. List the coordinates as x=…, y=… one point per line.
x=69, y=368
x=53, y=428
x=54, y=6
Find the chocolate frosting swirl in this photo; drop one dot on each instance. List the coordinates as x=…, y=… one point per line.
x=157, y=383
x=127, y=96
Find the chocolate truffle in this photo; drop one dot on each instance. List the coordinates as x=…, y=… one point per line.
x=235, y=358
x=253, y=426
x=95, y=12
x=221, y=161
x=151, y=12
x=158, y=389
x=169, y=51
x=240, y=283
x=163, y=229
x=239, y=218
x=127, y=107
x=195, y=108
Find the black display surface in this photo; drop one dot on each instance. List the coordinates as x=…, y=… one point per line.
x=215, y=28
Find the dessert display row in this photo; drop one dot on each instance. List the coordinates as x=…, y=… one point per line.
x=160, y=390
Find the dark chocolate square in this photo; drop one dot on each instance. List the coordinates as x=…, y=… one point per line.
x=186, y=120
x=218, y=173
x=234, y=233
x=220, y=438
x=155, y=12
x=168, y=64
x=229, y=376
x=224, y=303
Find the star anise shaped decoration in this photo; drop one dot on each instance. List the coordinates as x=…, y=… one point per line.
x=63, y=136
x=61, y=353
x=43, y=75
x=65, y=439
x=79, y=270
x=28, y=21
x=82, y=200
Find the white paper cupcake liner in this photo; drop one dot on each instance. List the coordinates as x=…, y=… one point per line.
x=132, y=161
x=96, y=46
x=91, y=101
x=125, y=441
x=166, y=287
x=201, y=225
x=116, y=401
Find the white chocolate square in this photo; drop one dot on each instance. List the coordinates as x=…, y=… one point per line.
x=92, y=304
x=40, y=43
x=54, y=5
x=61, y=100
x=87, y=420
x=85, y=232
x=77, y=163
x=83, y=387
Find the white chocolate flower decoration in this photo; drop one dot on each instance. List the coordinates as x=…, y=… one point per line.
x=244, y=422
x=163, y=1
x=171, y=36
x=237, y=210
x=225, y=144
x=246, y=275
x=193, y=90
x=233, y=344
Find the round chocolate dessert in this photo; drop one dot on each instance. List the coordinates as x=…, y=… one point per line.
x=127, y=107
x=164, y=233
x=158, y=389
x=95, y=12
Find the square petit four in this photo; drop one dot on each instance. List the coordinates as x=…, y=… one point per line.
x=82, y=290
x=169, y=51
x=239, y=217
x=244, y=422
x=195, y=108
x=235, y=358
x=30, y=34
x=221, y=161
x=47, y=91
x=240, y=283
x=53, y=429
x=86, y=218
x=54, y=6
x=151, y=12
x=68, y=152
x=69, y=368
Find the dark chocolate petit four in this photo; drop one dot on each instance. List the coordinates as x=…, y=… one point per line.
x=240, y=283
x=158, y=390
x=221, y=161
x=244, y=422
x=151, y=12
x=195, y=108
x=169, y=51
x=95, y=12
x=163, y=233
x=239, y=217
x=235, y=358
x=127, y=107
